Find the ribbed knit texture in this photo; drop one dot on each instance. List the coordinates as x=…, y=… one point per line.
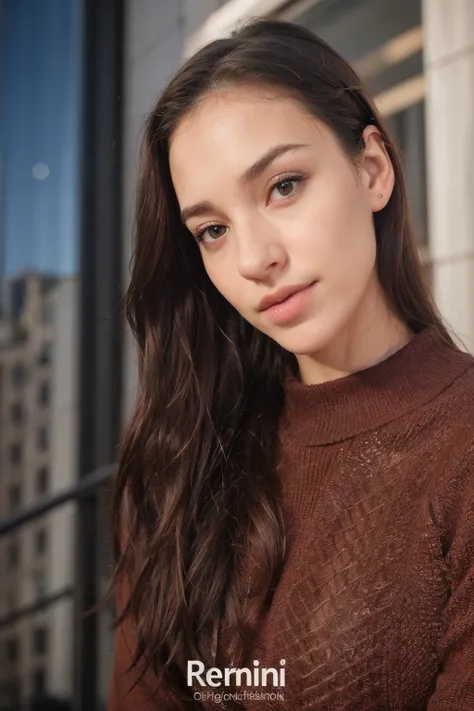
x=375, y=606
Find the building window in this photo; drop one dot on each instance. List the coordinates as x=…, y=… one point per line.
x=18, y=374
x=48, y=313
x=43, y=437
x=15, y=496
x=41, y=542
x=40, y=585
x=45, y=355
x=40, y=640
x=12, y=694
x=16, y=453
x=39, y=682
x=12, y=650
x=42, y=481
x=13, y=555
x=44, y=394
x=17, y=413
x=408, y=129
x=10, y=600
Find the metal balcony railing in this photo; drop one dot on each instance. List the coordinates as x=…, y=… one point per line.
x=86, y=485
x=86, y=488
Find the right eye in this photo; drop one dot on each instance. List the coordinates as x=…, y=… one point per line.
x=212, y=232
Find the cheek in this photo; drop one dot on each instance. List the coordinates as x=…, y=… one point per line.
x=348, y=240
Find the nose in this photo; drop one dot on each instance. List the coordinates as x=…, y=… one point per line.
x=260, y=250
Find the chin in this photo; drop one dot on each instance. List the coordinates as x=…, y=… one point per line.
x=308, y=338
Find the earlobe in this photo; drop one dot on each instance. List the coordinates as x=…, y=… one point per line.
x=380, y=199
x=381, y=202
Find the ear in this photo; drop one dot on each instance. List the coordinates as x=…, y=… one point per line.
x=377, y=169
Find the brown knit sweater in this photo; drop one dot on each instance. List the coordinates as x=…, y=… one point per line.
x=375, y=607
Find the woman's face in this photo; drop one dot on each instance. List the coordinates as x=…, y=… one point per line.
x=283, y=217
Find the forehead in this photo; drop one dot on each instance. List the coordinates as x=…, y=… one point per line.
x=231, y=128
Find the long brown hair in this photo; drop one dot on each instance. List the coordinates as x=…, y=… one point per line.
x=196, y=471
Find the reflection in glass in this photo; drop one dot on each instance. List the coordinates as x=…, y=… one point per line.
x=40, y=90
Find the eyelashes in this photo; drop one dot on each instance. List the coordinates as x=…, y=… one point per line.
x=199, y=236
x=287, y=179
x=280, y=182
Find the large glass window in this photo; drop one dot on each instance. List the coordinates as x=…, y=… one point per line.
x=60, y=330
x=40, y=204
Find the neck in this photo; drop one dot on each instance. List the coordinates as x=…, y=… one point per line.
x=324, y=413
x=373, y=335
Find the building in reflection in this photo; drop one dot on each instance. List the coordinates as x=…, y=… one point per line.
x=40, y=133
x=60, y=343
x=38, y=416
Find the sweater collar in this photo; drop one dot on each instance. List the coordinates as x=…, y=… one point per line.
x=336, y=410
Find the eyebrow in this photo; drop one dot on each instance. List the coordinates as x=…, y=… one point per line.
x=253, y=172
x=267, y=159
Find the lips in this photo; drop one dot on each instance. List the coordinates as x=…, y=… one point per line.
x=280, y=295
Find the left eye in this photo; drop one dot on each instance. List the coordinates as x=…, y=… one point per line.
x=284, y=188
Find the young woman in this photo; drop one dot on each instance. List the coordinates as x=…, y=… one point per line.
x=295, y=488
